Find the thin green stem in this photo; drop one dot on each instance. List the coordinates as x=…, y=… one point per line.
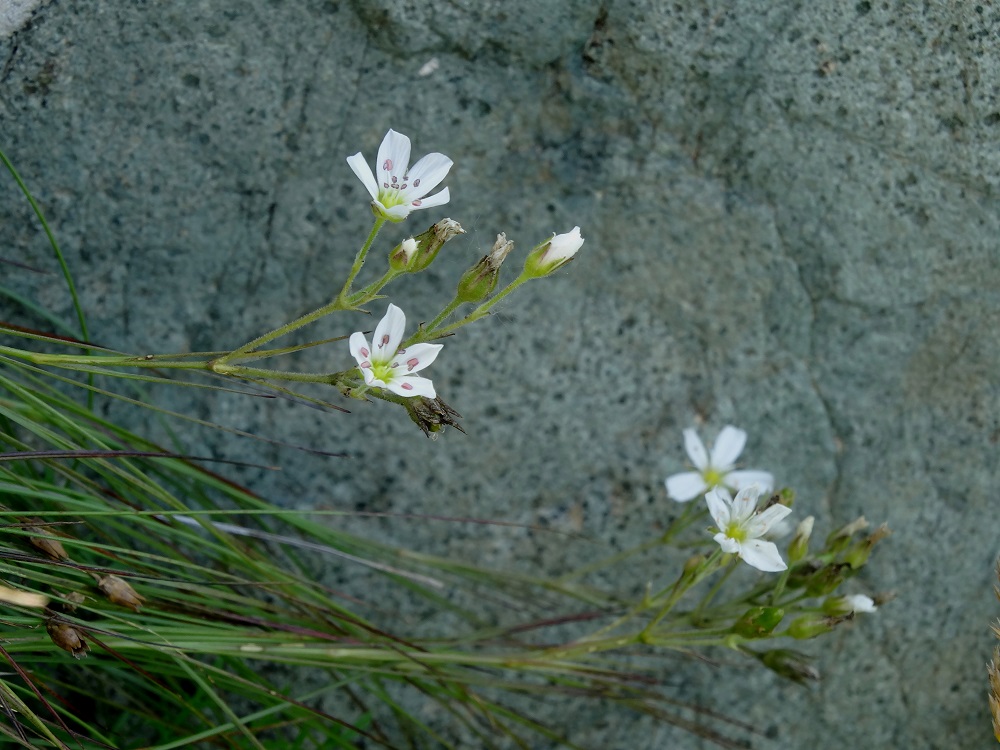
x=78, y=308
x=426, y=334
x=779, y=587
x=359, y=261
x=369, y=292
x=710, y=594
x=451, y=307
x=341, y=302
x=685, y=519
x=685, y=582
x=305, y=320
x=262, y=373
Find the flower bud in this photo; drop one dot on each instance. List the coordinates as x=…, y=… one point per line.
x=798, y=548
x=402, y=255
x=481, y=279
x=431, y=241
x=553, y=253
x=67, y=637
x=120, y=592
x=843, y=605
x=839, y=539
x=826, y=580
x=857, y=556
x=758, y=622
x=810, y=626
x=790, y=664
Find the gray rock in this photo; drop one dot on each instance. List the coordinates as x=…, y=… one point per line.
x=791, y=221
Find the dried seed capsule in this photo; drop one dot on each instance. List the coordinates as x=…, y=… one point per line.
x=120, y=592
x=67, y=637
x=46, y=543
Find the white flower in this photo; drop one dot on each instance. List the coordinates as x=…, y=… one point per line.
x=715, y=470
x=399, y=189
x=562, y=247
x=388, y=366
x=741, y=527
x=860, y=603
x=553, y=253
x=844, y=605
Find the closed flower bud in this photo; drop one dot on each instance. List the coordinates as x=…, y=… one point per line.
x=67, y=637
x=826, y=580
x=120, y=592
x=798, y=548
x=857, y=556
x=431, y=241
x=402, y=255
x=789, y=664
x=841, y=538
x=758, y=622
x=481, y=279
x=810, y=626
x=553, y=253
x=843, y=605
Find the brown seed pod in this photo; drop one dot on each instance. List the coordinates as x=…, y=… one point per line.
x=67, y=637
x=120, y=592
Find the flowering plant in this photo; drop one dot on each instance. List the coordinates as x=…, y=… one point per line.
x=123, y=558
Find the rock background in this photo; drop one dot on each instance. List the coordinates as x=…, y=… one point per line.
x=791, y=218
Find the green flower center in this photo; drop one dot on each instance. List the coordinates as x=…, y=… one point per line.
x=712, y=477
x=382, y=371
x=737, y=532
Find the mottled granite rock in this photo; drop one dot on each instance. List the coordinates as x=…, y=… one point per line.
x=791, y=218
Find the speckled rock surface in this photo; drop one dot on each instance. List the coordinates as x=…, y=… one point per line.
x=791, y=220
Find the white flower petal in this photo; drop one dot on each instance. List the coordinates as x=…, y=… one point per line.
x=360, y=167
x=427, y=174
x=564, y=246
x=396, y=213
x=727, y=447
x=719, y=508
x=388, y=334
x=860, y=603
x=415, y=358
x=412, y=385
x=695, y=449
x=762, y=522
x=728, y=545
x=740, y=479
x=359, y=347
x=745, y=504
x=393, y=158
x=685, y=486
x=438, y=199
x=762, y=555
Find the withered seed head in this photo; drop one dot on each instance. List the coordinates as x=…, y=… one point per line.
x=46, y=543
x=66, y=637
x=120, y=592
